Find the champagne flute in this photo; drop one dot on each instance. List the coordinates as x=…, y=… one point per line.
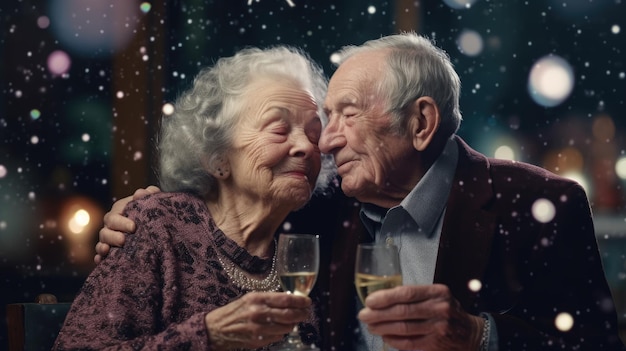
x=297, y=264
x=377, y=267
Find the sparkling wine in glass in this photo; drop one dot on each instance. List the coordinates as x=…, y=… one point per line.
x=297, y=264
x=377, y=267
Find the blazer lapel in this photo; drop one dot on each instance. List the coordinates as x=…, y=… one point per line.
x=468, y=227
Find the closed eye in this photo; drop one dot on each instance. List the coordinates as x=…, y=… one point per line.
x=279, y=130
x=349, y=111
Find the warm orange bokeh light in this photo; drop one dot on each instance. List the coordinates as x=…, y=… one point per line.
x=79, y=222
x=603, y=128
x=566, y=160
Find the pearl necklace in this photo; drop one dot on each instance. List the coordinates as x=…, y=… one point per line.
x=240, y=278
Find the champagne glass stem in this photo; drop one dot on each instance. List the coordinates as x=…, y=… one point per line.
x=294, y=336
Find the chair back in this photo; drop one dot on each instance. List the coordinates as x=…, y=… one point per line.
x=34, y=326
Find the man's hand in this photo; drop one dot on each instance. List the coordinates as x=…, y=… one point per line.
x=115, y=224
x=425, y=317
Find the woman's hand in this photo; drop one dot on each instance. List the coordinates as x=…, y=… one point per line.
x=115, y=224
x=255, y=320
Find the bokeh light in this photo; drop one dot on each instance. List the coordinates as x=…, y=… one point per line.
x=287, y=226
x=59, y=62
x=504, y=152
x=3, y=171
x=615, y=29
x=475, y=285
x=620, y=167
x=551, y=81
x=43, y=22
x=543, y=210
x=137, y=155
x=35, y=114
x=502, y=146
x=568, y=159
x=79, y=221
x=145, y=7
x=603, y=128
x=470, y=42
x=167, y=109
x=579, y=178
x=77, y=227
x=564, y=321
x=93, y=27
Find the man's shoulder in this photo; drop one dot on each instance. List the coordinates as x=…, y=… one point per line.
x=514, y=171
x=511, y=174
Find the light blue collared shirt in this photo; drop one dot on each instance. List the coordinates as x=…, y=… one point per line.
x=414, y=226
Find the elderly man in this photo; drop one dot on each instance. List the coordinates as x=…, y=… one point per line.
x=482, y=269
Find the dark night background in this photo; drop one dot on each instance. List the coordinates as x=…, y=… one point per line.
x=81, y=137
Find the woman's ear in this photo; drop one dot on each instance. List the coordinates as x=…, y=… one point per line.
x=424, y=121
x=218, y=168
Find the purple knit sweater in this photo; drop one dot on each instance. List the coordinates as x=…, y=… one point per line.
x=154, y=292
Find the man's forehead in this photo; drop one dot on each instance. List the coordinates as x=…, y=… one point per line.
x=342, y=93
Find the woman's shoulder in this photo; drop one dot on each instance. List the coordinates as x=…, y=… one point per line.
x=166, y=201
x=169, y=217
x=168, y=207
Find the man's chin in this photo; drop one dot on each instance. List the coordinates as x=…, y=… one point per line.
x=349, y=189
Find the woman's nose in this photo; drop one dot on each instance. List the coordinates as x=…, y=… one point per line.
x=303, y=146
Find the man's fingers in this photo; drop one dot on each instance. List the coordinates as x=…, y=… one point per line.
x=153, y=189
x=117, y=223
x=118, y=206
x=402, y=328
x=102, y=250
x=111, y=237
x=139, y=193
x=405, y=294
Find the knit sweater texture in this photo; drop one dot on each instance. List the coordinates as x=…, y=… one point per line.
x=154, y=292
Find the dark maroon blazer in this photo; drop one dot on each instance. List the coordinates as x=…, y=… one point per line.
x=530, y=271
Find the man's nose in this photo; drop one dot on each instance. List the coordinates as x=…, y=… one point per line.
x=331, y=138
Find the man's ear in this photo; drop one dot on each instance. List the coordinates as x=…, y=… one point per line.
x=424, y=121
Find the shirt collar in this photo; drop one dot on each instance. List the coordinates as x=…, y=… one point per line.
x=426, y=202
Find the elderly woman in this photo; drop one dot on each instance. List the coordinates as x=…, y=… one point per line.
x=238, y=154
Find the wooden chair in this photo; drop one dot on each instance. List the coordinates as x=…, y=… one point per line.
x=35, y=325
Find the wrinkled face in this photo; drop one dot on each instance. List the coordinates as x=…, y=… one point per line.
x=275, y=156
x=368, y=155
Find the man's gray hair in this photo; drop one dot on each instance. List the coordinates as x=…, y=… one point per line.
x=416, y=67
x=199, y=133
